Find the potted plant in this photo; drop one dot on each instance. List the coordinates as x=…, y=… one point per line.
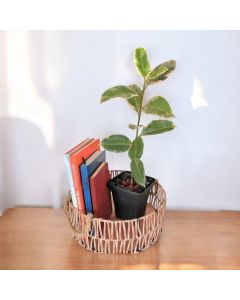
x=131, y=189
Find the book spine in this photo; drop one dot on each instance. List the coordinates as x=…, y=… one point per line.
x=78, y=192
x=86, y=189
x=76, y=161
x=70, y=179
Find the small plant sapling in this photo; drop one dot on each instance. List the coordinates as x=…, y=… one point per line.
x=157, y=105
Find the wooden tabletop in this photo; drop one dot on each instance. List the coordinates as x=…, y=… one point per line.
x=40, y=238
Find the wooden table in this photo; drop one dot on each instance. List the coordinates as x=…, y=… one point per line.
x=40, y=238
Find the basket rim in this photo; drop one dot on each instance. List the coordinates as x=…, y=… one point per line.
x=69, y=206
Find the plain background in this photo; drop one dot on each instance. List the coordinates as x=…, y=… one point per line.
x=50, y=86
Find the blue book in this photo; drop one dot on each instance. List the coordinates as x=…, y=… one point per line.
x=86, y=170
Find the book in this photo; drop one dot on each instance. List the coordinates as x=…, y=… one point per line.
x=86, y=170
x=68, y=167
x=101, y=197
x=76, y=159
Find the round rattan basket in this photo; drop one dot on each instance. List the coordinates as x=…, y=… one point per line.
x=117, y=236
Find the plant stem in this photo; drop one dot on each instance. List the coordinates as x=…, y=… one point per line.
x=140, y=113
x=139, y=117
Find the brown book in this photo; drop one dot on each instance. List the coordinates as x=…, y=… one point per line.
x=101, y=198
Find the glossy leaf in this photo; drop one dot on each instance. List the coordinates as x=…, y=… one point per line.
x=157, y=126
x=136, y=149
x=141, y=61
x=134, y=127
x=116, y=143
x=117, y=91
x=138, y=171
x=158, y=106
x=161, y=72
x=135, y=103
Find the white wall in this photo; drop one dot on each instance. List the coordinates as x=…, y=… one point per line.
x=50, y=87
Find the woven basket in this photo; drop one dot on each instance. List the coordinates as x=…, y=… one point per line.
x=116, y=236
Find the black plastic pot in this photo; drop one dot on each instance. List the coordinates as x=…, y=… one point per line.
x=129, y=205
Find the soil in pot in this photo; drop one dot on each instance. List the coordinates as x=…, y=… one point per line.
x=130, y=199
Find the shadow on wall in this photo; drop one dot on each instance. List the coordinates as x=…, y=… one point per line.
x=26, y=164
x=31, y=174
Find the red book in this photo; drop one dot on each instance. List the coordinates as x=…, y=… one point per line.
x=69, y=170
x=101, y=198
x=76, y=159
x=75, y=148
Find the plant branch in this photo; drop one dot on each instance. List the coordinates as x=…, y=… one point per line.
x=140, y=113
x=139, y=116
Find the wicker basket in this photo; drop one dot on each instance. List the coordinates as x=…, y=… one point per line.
x=116, y=236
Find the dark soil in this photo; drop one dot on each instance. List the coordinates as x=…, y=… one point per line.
x=124, y=181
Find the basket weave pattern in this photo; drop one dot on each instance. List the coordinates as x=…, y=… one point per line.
x=117, y=236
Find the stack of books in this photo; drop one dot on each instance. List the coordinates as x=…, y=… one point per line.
x=88, y=174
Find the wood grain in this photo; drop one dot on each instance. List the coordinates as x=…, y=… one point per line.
x=39, y=238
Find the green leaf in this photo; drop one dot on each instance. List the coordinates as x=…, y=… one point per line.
x=157, y=126
x=158, y=106
x=117, y=91
x=161, y=72
x=116, y=143
x=141, y=61
x=134, y=127
x=136, y=89
x=135, y=103
x=136, y=149
x=138, y=171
